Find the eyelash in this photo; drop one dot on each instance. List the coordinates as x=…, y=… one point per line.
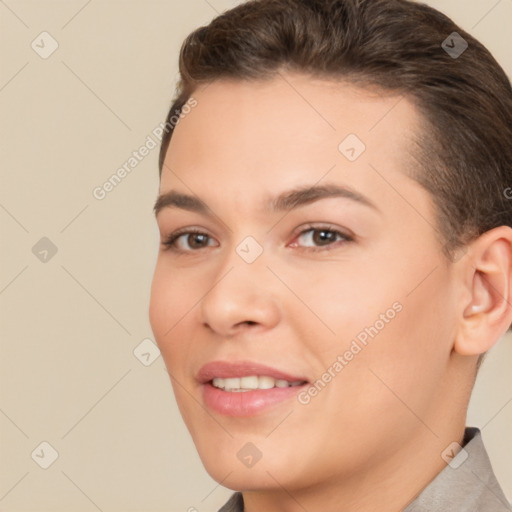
x=170, y=242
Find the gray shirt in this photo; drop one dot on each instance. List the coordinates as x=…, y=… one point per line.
x=467, y=484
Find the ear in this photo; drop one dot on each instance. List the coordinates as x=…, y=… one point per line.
x=487, y=275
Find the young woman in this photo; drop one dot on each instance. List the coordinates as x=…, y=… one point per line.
x=336, y=254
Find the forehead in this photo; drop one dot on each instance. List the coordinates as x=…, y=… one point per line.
x=287, y=130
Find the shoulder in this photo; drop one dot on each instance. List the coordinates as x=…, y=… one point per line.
x=467, y=483
x=234, y=504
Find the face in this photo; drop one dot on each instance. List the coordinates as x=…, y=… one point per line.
x=306, y=256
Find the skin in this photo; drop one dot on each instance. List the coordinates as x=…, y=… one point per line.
x=372, y=439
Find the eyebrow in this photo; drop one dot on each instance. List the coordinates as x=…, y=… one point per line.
x=285, y=201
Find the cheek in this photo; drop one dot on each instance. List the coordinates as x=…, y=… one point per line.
x=347, y=302
x=395, y=334
x=160, y=305
x=171, y=296
x=401, y=368
x=171, y=305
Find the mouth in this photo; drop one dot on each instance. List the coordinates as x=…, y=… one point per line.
x=251, y=382
x=246, y=388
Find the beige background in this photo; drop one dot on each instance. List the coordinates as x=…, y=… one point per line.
x=68, y=373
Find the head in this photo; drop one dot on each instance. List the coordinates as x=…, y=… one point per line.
x=391, y=309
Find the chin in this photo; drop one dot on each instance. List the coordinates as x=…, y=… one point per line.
x=241, y=464
x=239, y=478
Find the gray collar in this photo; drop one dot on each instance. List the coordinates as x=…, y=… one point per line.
x=467, y=484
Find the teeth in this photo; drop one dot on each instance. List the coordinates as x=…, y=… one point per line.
x=265, y=382
x=232, y=383
x=252, y=382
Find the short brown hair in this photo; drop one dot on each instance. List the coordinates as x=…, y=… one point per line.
x=465, y=154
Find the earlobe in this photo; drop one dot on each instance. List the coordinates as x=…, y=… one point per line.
x=488, y=275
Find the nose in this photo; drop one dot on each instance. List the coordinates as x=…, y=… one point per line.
x=242, y=295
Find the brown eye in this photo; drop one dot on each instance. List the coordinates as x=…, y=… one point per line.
x=196, y=240
x=323, y=237
x=187, y=241
x=316, y=238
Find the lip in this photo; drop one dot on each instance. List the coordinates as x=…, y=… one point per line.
x=244, y=403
